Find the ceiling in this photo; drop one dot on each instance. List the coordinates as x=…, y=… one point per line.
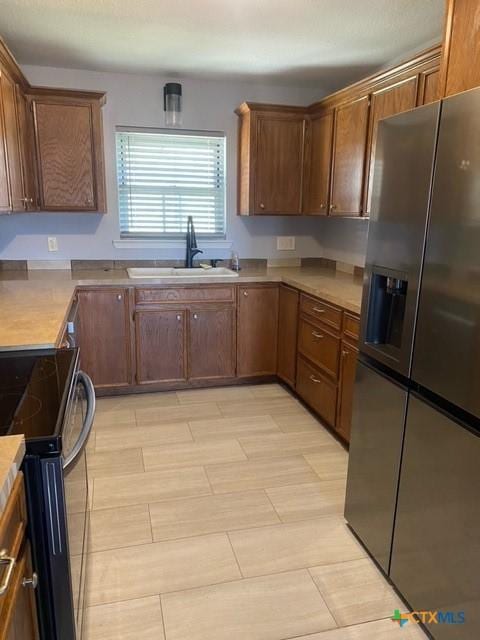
x=300, y=42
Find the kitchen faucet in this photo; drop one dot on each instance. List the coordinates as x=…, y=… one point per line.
x=192, y=249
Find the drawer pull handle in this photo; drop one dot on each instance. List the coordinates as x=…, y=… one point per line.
x=313, y=379
x=10, y=561
x=318, y=310
x=319, y=336
x=31, y=582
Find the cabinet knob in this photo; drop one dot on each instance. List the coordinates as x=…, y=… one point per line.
x=344, y=354
x=119, y=296
x=27, y=200
x=322, y=205
x=179, y=317
x=195, y=316
x=31, y=582
x=245, y=293
x=262, y=206
x=88, y=201
x=332, y=207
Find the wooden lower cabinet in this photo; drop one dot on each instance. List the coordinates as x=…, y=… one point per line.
x=160, y=340
x=257, y=330
x=18, y=613
x=105, y=336
x=348, y=366
x=287, y=334
x=317, y=390
x=211, y=342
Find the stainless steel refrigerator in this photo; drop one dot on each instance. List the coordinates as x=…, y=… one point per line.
x=414, y=468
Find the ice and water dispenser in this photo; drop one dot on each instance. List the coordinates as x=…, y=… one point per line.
x=386, y=312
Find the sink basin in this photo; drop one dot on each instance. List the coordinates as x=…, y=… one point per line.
x=168, y=272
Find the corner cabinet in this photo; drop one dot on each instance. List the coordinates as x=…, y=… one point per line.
x=69, y=150
x=271, y=159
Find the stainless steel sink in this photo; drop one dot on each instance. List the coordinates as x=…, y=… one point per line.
x=168, y=272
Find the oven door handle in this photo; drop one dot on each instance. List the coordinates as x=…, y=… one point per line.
x=85, y=380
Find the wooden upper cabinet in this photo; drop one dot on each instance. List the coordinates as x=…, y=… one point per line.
x=257, y=325
x=349, y=147
x=318, y=161
x=12, y=140
x=386, y=102
x=429, y=87
x=27, y=150
x=69, y=150
x=105, y=336
x=211, y=342
x=460, y=66
x=271, y=158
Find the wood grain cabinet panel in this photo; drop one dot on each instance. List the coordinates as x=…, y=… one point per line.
x=279, y=164
x=105, y=336
x=460, y=66
x=319, y=345
x=317, y=390
x=349, y=149
x=69, y=151
x=271, y=159
x=211, y=342
x=160, y=338
x=348, y=366
x=318, y=164
x=287, y=334
x=384, y=103
x=429, y=87
x=257, y=324
x=12, y=143
x=27, y=148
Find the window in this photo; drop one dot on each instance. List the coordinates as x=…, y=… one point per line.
x=165, y=176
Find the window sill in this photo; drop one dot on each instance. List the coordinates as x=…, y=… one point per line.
x=173, y=243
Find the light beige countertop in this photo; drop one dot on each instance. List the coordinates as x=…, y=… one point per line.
x=34, y=304
x=12, y=450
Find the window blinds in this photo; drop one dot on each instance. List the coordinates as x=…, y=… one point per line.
x=164, y=177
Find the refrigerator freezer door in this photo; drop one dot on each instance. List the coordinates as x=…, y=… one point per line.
x=447, y=346
x=436, y=548
x=396, y=237
x=374, y=461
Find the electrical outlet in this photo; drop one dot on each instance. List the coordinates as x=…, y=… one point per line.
x=285, y=243
x=52, y=244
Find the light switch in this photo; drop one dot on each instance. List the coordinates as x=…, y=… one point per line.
x=52, y=244
x=285, y=243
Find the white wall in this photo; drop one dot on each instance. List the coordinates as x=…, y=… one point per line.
x=136, y=100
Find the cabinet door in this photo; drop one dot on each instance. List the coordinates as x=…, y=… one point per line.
x=348, y=367
x=388, y=102
x=350, y=141
x=160, y=346
x=257, y=323
x=278, y=164
x=211, y=343
x=65, y=155
x=317, y=183
x=27, y=149
x=287, y=334
x=104, y=336
x=461, y=50
x=429, y=87
x=12, y=140
x=21, y=618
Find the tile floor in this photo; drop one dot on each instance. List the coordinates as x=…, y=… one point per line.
x=217, y=515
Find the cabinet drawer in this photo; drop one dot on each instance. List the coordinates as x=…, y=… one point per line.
x=167, y=295
x=12, y=529
x=322, y=311
x=320, y=346
x=317, y=391
x=351, y=326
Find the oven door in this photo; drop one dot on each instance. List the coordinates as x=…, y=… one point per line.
x=75, y=437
